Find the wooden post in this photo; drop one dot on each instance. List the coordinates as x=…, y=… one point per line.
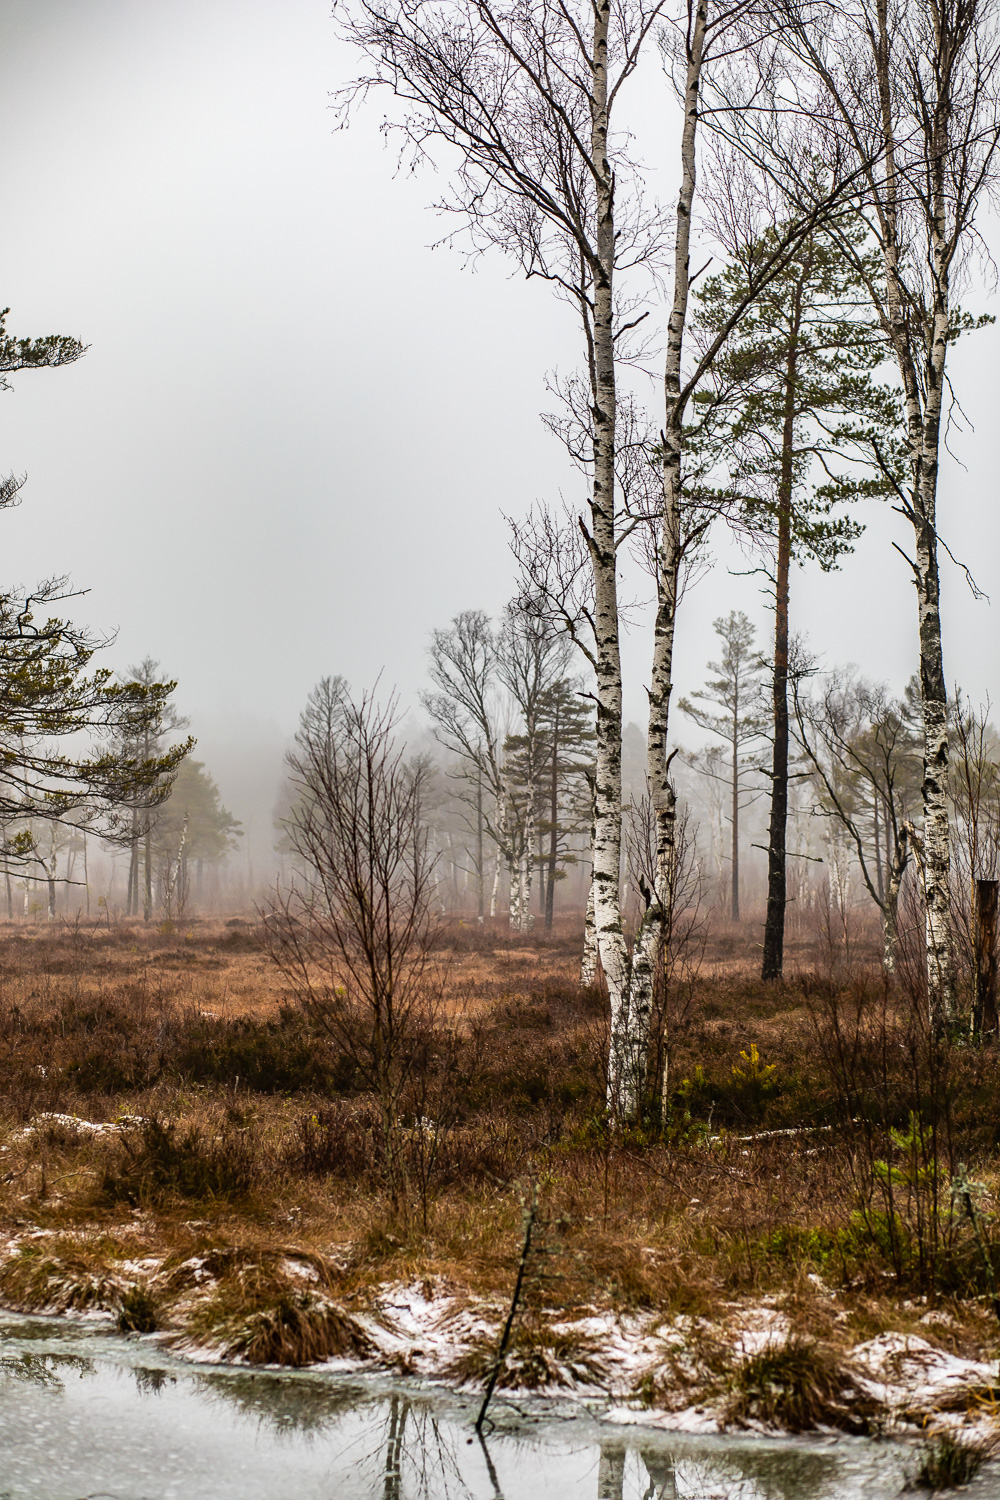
x=985, y=1011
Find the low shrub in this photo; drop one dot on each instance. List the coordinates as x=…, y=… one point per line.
x=281, y=1056
x=155, y=1160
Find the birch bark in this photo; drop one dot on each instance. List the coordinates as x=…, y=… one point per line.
x=923, y=399
x=602, y=545
x=626, y=1076
x=910, y=94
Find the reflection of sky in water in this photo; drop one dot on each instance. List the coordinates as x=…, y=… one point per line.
x=85, y=1414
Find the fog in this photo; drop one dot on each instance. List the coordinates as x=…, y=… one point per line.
x=290, y=446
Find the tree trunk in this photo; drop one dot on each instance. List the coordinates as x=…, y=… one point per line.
x=550, y=890
x=890, y=917
x=147, y=902
x=132, y=896
x=602, y=544
x=777, y=874
x=495, y=890
x=734, y=909
x=513, y=894
x=984, y=1025
x=528, y=864
x=923, y=394
x=625, y=1088
x=937, y=847
x=480, y=867
x=611, y=1474
x=147, y=905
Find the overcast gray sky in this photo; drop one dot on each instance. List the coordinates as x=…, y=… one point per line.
x=288, y=448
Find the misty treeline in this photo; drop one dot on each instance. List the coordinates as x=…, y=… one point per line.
x=90, y=761
x=798, y=298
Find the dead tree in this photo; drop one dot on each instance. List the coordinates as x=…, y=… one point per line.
x=861, y=756
x=353, y=934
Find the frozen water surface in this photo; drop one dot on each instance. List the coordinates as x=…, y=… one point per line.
x=84, y=1413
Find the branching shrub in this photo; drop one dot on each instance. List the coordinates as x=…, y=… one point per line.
x=154, y=1160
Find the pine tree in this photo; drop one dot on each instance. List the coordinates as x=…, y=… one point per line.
x=804, y=427
x=192, y=826
x=737, y=718
x=145, y=738
x=561, y=782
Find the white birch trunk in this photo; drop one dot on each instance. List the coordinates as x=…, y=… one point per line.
x=635, y=1032
x=602, y=543
x=527, y=864
x=923, y=393
x=588, y=967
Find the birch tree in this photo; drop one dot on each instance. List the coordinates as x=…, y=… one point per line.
x=527, y=96
x=904, y=95
x=467, y=719
x=707, y=37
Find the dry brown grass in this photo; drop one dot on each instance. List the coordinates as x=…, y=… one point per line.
x=256, y=1147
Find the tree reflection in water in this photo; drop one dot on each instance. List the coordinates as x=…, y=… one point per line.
x=364, y=1440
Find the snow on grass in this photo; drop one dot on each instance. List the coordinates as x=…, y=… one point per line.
x=642, y=1368
x=907, y=1375
x=74, y=1122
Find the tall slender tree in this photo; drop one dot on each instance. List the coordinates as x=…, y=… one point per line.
x=145, y=738
x=905, y=96
x=528, y=94
x=736, y=718
x=809, y=429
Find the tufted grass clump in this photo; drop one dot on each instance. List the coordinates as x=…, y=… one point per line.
x=137, y=1312
x=797, y=1386
x=34, y=1279
x=539, y=1356
x=270, y=1309
x=949, y=1460
x=298, y=1327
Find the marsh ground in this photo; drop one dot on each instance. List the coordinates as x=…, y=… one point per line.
x=183, y=1145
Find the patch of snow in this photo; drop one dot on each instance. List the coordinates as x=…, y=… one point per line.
x=298, y=1270
x=74, y=1122
x=907, y=1374
x=696, y=1419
